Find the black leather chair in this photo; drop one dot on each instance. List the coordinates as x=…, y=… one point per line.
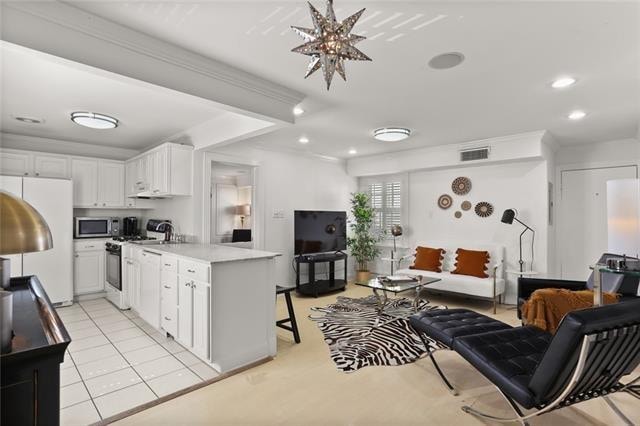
x=627, y=286
x=592, y=349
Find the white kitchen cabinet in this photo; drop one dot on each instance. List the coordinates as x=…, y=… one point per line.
x=149, y=306
x=110, y=183
x=201, y=319
x=84, y=174
x=51, y=166
x=131, y=278
x=88, y=271
x=185, y=312
x=169, y=295
x=15, y=164
x=161, y=172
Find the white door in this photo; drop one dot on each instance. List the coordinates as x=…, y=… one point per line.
x=51, y=166
x=185, y=312
x=15, y=164
x=201, y=319
x=110, y=184
x=13, y=185
x=88, y=271
x=84, y=174
x=52, y=198
x=150, y=288
x=582, y=230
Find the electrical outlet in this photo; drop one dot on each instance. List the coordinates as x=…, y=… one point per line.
x=278, y=214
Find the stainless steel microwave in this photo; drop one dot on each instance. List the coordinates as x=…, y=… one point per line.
x=92, y=227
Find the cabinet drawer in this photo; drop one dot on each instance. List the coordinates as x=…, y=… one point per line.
x=169, y=318
x=88, y=245
x=169, y=289
x=169, y=263
x=197, y=271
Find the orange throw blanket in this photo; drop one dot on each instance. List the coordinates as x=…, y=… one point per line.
x=546, y=307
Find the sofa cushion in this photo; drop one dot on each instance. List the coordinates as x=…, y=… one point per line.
x=471, y=262
x=428, y=259
x=508, y=358
x=445, y=325
x=463, y=284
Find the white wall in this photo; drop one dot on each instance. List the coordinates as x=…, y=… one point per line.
x=288, y=182
x=623, y=151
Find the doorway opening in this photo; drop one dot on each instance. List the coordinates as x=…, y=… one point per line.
x=232, y=204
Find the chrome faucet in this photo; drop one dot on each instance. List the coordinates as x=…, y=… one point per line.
x=168, y=231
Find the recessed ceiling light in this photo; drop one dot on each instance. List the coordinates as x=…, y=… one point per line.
x=391, y=134
x=446, y=60
x=353, y=151
x=30, y=120
x=298, y=111
x=303, y=139
x=577, y=115
x=94, y=120
x=563, y=82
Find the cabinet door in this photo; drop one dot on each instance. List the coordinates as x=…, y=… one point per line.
x=160, y=172
x=15, y=164
x=130, y=178
x=201, y=319
x=150, y=288
x=111, y=184
x=88, y=271
x=141, y=182
x=132, y=282
x=185, y=312
x=51, y=166
x=84, y=174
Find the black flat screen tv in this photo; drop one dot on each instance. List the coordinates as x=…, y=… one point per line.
x=319, y=231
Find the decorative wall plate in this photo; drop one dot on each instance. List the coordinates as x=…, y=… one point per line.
x=445, y=201
x=466, y=205
x=484, y=209
x=458, y=214
x=461, y=185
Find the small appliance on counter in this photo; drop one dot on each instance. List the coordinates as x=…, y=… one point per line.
x=96, y=227
x=130, y=226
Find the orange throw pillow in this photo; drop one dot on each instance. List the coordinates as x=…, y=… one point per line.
x=471, y=262
x=428, y=259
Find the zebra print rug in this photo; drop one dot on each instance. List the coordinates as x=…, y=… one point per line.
x=356, y=339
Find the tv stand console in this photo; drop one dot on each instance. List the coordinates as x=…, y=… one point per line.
x=315, y=287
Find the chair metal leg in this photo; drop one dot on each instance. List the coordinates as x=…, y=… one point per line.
x=617, y=410
x=520, y=417
x=453, y=390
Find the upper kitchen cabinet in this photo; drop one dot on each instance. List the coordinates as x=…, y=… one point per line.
x=25, y=163
x=164, y=171
x=97, y=183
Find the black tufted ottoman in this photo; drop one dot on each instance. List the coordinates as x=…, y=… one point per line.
x=445, y=325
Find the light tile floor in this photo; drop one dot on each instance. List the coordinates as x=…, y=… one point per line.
x=116, y=361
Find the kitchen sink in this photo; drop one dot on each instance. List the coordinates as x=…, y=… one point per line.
x=153, y=242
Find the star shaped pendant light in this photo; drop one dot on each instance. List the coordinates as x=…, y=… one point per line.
x=330, y=43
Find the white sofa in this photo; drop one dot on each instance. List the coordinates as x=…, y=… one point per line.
x=487, y=288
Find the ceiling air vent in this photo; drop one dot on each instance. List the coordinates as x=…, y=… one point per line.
x=474, y=154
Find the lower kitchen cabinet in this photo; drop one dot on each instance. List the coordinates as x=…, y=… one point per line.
x=193, y=316
x=131, y=278
x=149, y=305
x=88, y=271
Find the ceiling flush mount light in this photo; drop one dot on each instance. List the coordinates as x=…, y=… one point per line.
x=577, y=115
x=29, y=120
x=94, y=120
x=391, y=134
x=446, y=60
x=330, y=43
x=303, y=139
x=563, y=82
x=298, y=111
x=353, y=151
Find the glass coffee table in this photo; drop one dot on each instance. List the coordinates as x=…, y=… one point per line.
x=381, y=288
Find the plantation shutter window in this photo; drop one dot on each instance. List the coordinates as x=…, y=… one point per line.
x=386, y=200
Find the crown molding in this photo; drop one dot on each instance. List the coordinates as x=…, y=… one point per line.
x=56, y=19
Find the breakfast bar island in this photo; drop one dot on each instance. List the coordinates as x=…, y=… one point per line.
x=216, y=301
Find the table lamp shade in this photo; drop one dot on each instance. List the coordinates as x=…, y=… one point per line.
x=22, y=228
x=623, y=216
x=243, y=210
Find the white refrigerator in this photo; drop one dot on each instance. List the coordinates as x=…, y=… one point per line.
x=53, y=199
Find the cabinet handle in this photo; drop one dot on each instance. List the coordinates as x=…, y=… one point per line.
x=191, y=270
x=26, y=173
x=166, y=286
x=167, y=264
x=89, y=246
x=104, y=204
x=77, y=255
x=129, y=262
x=37, y=174
x=167, y=318
x=95, y=204
x=187, y=284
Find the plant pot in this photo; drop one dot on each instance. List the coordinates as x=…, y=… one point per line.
x=363, y=276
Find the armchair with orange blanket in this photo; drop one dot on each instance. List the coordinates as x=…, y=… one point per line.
x=625, y=286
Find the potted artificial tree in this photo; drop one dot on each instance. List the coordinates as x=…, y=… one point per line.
x=362, y=243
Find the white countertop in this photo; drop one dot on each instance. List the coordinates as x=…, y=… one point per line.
x=211, y=253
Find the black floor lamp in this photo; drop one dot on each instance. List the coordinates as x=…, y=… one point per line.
x=508, y=217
